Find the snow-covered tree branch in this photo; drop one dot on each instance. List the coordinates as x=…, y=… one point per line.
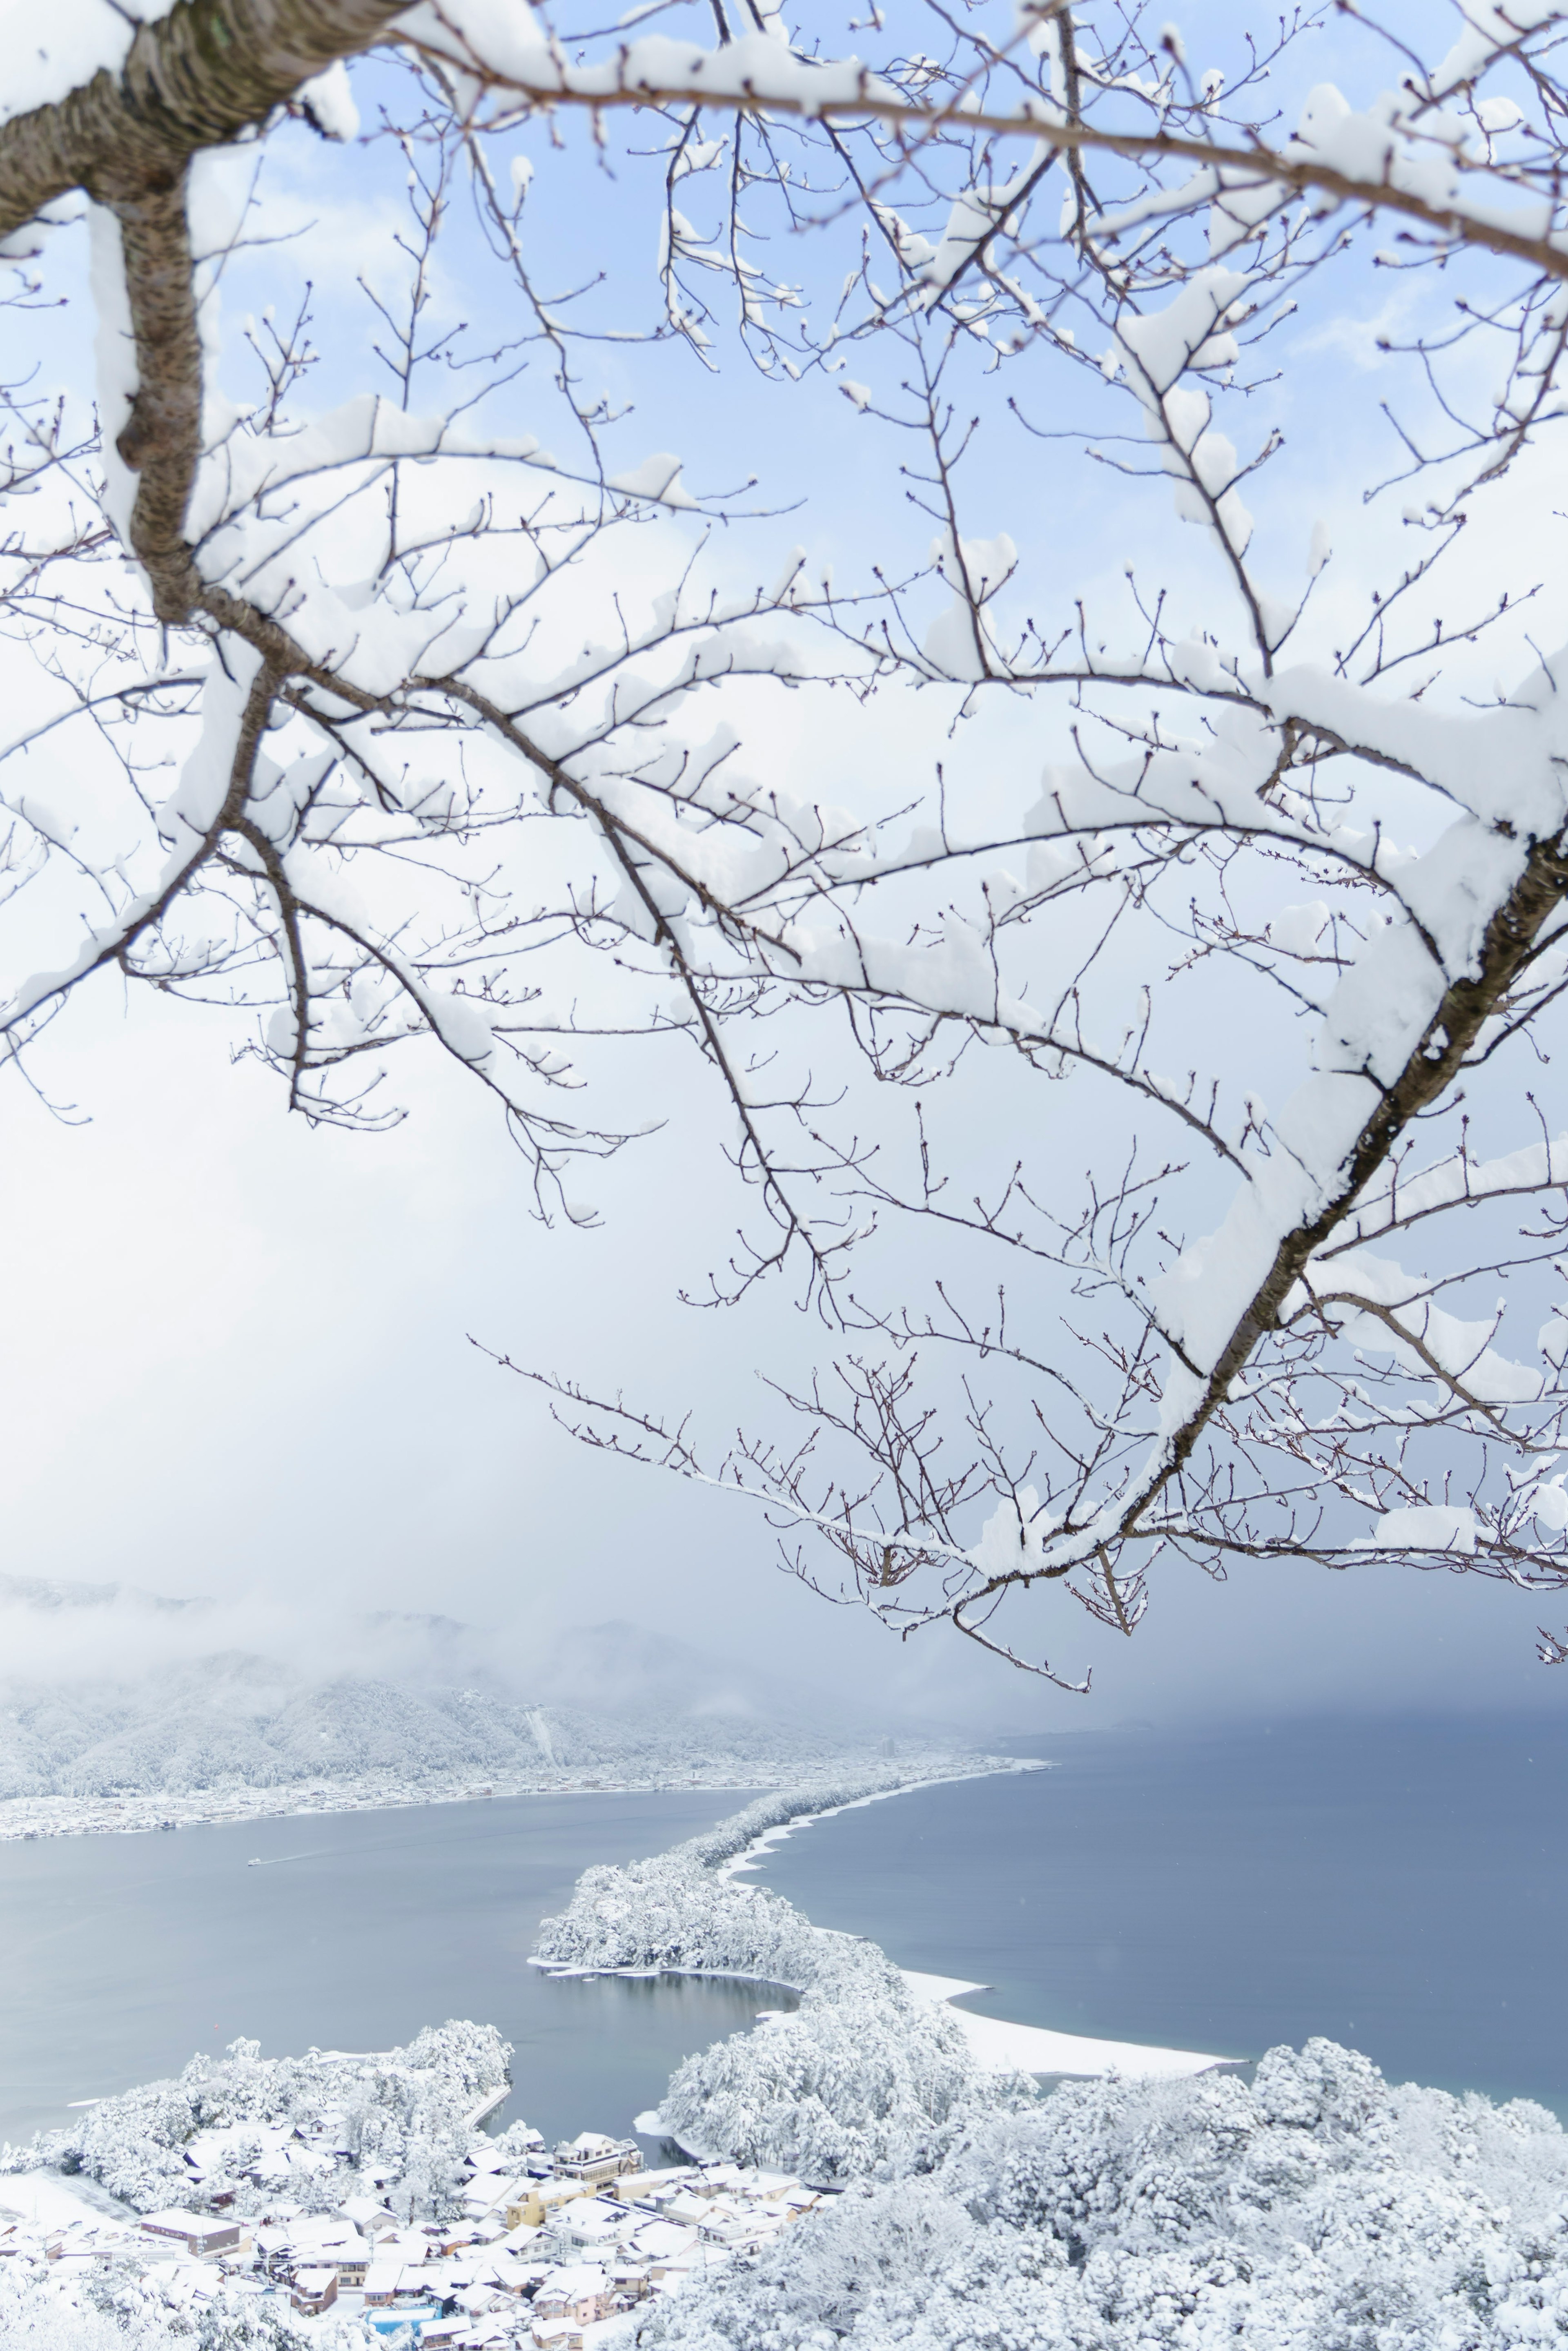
x=368, y=679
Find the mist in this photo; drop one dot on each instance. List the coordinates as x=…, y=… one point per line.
x=241, y=1373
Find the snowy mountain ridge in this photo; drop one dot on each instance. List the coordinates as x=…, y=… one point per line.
x=109, y=1693
x=227, y=1722
x=45, y=1591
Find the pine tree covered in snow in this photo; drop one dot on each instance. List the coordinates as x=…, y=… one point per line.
x=863, y=2080
x=1317, y=2211
x=323, y=2122
x=49, y=2313
x=863, y=2077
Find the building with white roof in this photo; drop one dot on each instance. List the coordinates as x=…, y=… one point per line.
x=195, y=2232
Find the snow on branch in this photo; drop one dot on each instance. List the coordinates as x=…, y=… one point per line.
x=1167, y=945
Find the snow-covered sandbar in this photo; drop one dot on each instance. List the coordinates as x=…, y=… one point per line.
x=1033, y=2049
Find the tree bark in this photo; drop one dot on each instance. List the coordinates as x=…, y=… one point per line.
x=207, y=71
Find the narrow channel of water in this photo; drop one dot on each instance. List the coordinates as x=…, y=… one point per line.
x=121, y=1956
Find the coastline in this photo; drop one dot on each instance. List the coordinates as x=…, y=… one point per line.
x=31, y=1818
x=1001, y=2046
x=997, y=2046
x=1142, y=2186
x=745, y=1856
x=997, y=2043
x=988, y=1766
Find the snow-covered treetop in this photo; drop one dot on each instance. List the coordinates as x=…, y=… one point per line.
x=318, y=2128
x=1317, y=2207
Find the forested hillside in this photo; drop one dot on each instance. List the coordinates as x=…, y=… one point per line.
x=427, y=1700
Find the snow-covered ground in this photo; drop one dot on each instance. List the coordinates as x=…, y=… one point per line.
x=1004, y=2047
x=51, y=1816
x=45, y=2199
x=1152, y=2209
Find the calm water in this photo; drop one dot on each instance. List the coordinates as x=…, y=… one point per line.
x=1400, y=1886
x=121, y=1955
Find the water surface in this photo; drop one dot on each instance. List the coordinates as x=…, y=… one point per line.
x=1399, y=1886
x=121, y=1956
x=1402, y=1886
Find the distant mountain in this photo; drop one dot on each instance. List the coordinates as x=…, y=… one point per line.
x=45, y=1591
x=226, y=1722
x=435, y=1628
x=416, y=1697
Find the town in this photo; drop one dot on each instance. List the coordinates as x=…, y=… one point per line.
x=556, y=2250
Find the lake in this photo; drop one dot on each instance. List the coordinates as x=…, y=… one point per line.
x=1398, y=1885
x=121, y=1956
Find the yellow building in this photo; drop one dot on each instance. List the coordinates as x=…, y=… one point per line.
x=537, y=2199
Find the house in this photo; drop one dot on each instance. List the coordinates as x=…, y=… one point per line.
x=537, y=2199
x=401, y=2245
x=636, y=2186
x=314, y=2291
x=590, y=2220
x=720, y=2179
x=593, y=2157
x=557, y=2334
x=688, y=2211
x=215, y=2191
x=582, y=2293
x=317, y=2242
x=365, y=2212
x=192, y=2231
x=659, y=2243
x=382, y=2282
x=274, y=2247
x=491, y=2191
x=523, y=2278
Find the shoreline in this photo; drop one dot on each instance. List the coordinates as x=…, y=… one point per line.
x=990, y=1766
x=743, y=1859
x=1039, y=2049
x=33, y=1819
x=1000, y=2044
